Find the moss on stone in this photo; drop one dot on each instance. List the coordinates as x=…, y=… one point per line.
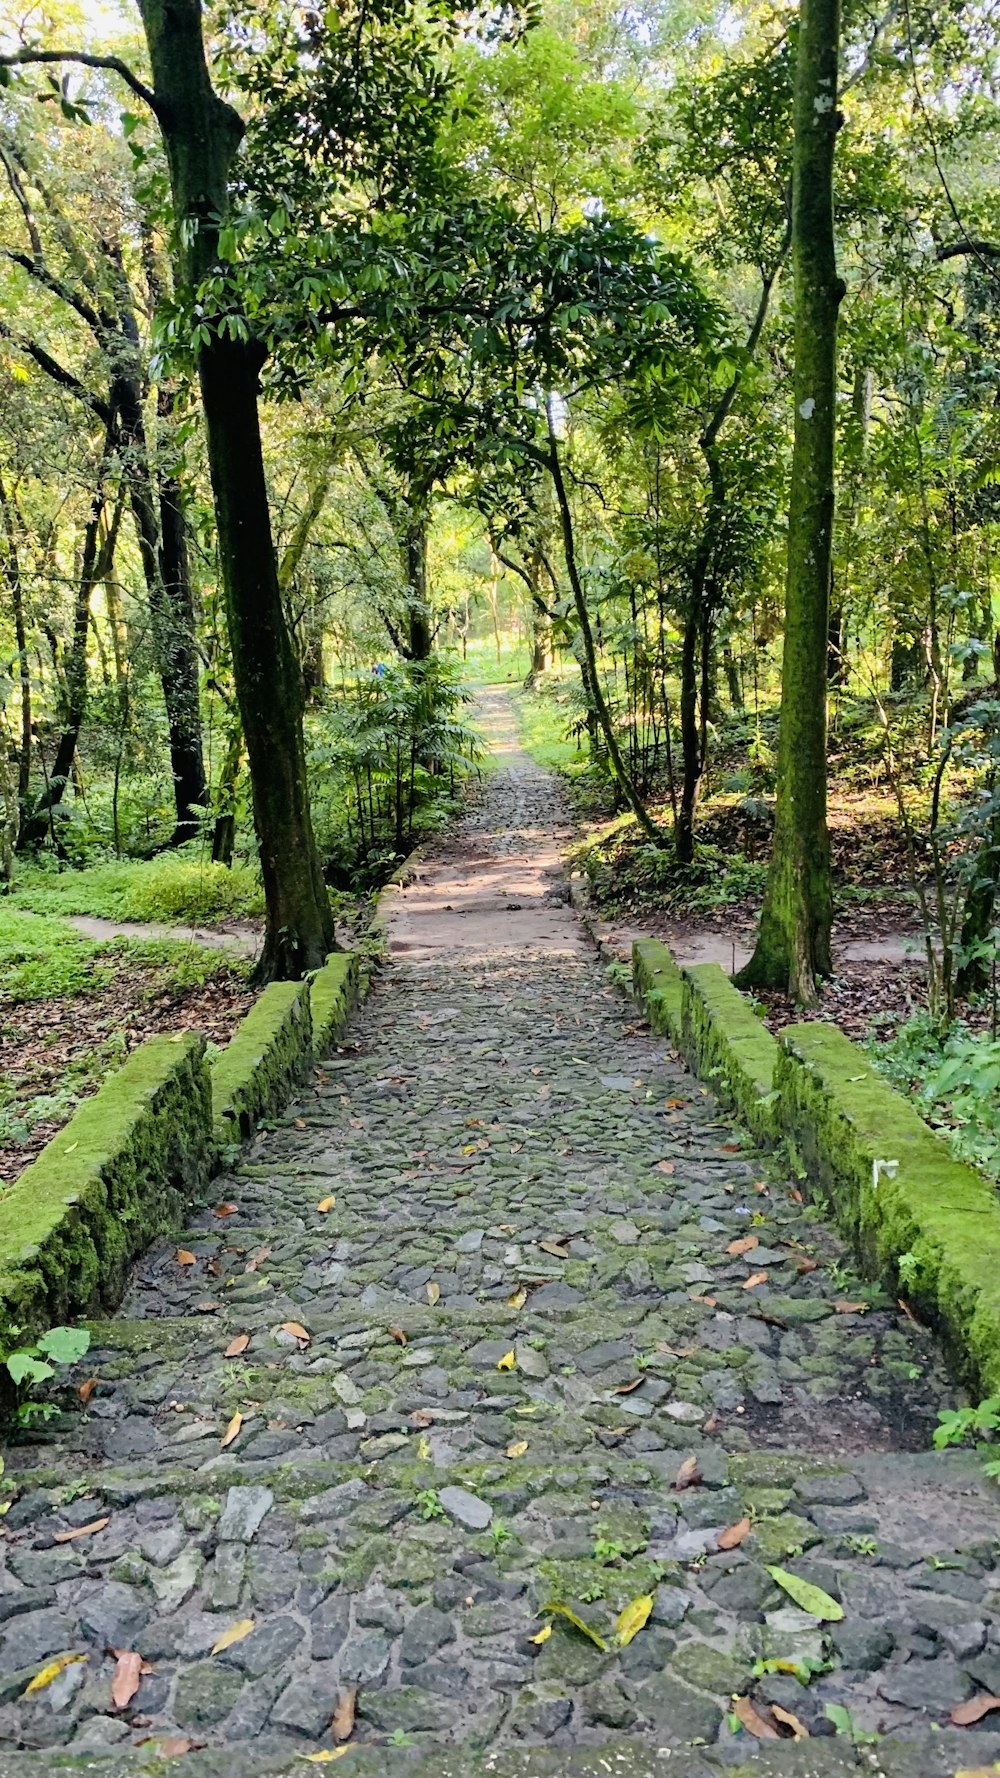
x=333, y=992
x=113, y=1180
x=846, y=1123
x=656, y=981
x=726, y=1043
x=264, y=1059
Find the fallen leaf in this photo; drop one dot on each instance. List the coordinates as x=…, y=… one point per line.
x=733, y=1534
x=577, y=1623
x=129, y=1668
x=507, y=1363
x=257, y=1259
x=555, y=1248
x=973, y=1709
x=689, y=1475
x=297, y=1331
x=235, y=1347
x=796, y=1196
x=184, y=1258
x=745, y=1244
x=87, y=1388
x=811, y=1598
x=731, y=1147
x=325, y=1755
x=300, y=1123
x=398, y=1335
x=235, y=1633
x=420, y=1417
x=633, y=1618
x=175, y=1745
x=518, y=1300
x=225, y=1210
x=628, y=1388
x=80, y=1531
x=791, y=1721
x=753, y=1722
x=342, y=1726
x=665, y=1166
x=674, y=1104
x=325, y=1204
x=543, y=1635
x=424, y=1449
x=232, y=1430
x=518, y=1448
x=806, y=1265
x=433, y=1292
x=710, y=1300
x=51, y=1672
x=754, y=1279
x=851, y=1308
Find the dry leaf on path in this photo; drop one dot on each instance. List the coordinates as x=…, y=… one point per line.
x=973, y=1709
x=790, y=1721
x=753, y=1722
x=342, y=1726
x=324, y=1755
x=325, y=1204
x=184, y=1258
x=628, y=1388
x=554, y=1247
x=51, y=1672
x=297, y=1331
x=424, y=1452
x=710, y=1300
x=689, y=1475
x=507, y=1363
x=225, y=1210
x=754, y=1279
x=745, y=1244
x=633, y=1618
x=235, y=1633
x=850, y=1308
x=398, y=1335
x=664, y=1167
x=518, y=1300
x=87, y=1388
x=232, y=1430
x=518, y=1448
x=80, y=1531
x=257, y=1259
x=235, y=1347
x=733, y=1534
x=433, y=1293
x=543, y=1635
x=129, y=1668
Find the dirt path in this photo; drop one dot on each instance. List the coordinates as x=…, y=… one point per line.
x=241, y=941
x=524, y=1356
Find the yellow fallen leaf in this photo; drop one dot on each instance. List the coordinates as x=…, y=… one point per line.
x=235, y=1633
x=51, y=1672
x=232, y=1430
x=634, y=1618
x=325, y=1755
x=578, y=1623
x=72, y=1147
x=543, y=1635
x=325, y=1204
x=469, y=1148
x=433, y=1292
x=424, y=1448
x=518, y=1300
x=518, y=1448
x=507, y=1363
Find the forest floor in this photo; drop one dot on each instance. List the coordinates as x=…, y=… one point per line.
x=557, y=1339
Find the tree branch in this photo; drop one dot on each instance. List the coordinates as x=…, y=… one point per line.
x=955, y=249
x=113, y=65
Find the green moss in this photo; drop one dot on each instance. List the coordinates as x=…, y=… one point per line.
x=332, y=994
x=658, y=986
x=846, y=1123
x=726, y=1043
x=266, y=1056
x=115, y=1178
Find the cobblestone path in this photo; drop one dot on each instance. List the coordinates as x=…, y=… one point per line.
x=511, y=1315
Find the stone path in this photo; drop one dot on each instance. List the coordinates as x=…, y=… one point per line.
x=477, y=1329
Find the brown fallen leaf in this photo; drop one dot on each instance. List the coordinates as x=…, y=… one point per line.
x=908, y=1312
x=257, y=1259
x=232, y=1430
x=627, y=1388
x=850, y=1308
x=973, y=1709
x=665, y=1166
x=754, y=1279
x=129, y=1668
x=184, y=1258
x=674, y=1104
x=398, y=1335
x=420, y=1417
x=225, y=1210
x=745, y=1244
x=753, y=1722
x=711, y=1301
x=806, y=1265
x=796, y=1196
x=235, y=1347
x=80, y=1531
x=325, y=1204
x=87, y=1388
x=342, y=1726
x=789, y=1720
x=554, y=1247
x=733, y=1534
x=300, y=1123
x=297, y=1331
x=731, y=1147
x=175, y=1745
x=689, y=1475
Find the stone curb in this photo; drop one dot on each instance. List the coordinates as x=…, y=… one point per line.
x=924, y=1224
x=385, y=900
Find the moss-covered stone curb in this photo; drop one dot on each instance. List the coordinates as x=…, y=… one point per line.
x=896, y=1191
x=332, y=994
x=726, y=1043
x=658, y=987
x=116, y=1177
x=714, y=1027
x=264, y=1059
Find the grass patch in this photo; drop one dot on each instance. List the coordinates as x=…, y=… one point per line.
x=177, y=886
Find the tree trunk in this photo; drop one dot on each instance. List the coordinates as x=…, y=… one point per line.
x=224, y=832
x=419, y=629
x=977, y=915
x=202, y=134
x=179, y=657
x=12, y=560
x=793, y=944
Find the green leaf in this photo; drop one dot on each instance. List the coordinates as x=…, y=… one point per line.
x=64, y=1345
x=24, y=1367
x=810, y=1598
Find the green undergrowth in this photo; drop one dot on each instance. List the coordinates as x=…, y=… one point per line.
x=545, y=722
x=43, y=958
x=180, y=886
x=954, y=1080
x=625, y=870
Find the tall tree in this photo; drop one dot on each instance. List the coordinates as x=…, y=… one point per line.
x=793, y=943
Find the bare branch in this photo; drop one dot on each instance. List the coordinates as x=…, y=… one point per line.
x=113, y=65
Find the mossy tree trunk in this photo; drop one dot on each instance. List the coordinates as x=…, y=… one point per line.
x=202, y=134
x=793, y=944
